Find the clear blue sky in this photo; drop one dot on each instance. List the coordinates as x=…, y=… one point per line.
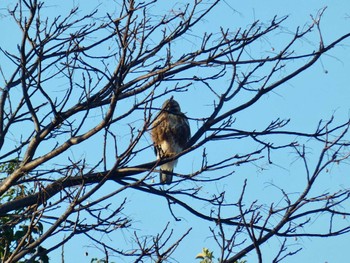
x=311, y=96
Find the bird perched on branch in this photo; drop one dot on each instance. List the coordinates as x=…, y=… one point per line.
x=170, y=133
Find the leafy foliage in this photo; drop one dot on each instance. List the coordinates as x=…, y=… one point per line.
x=207, y=256
x=15, y=229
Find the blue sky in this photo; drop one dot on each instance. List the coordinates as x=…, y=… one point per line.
x=318, y=93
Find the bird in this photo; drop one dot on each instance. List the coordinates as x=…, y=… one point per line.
x=170, y=133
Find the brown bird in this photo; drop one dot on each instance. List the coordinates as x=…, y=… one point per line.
x=170, y=133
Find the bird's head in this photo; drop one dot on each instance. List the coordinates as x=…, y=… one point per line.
x=171, y=106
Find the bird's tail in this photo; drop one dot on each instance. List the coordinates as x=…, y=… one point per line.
x=166, y=172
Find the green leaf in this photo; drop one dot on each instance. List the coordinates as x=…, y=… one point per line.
x=43, y=258
x=206, y=255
